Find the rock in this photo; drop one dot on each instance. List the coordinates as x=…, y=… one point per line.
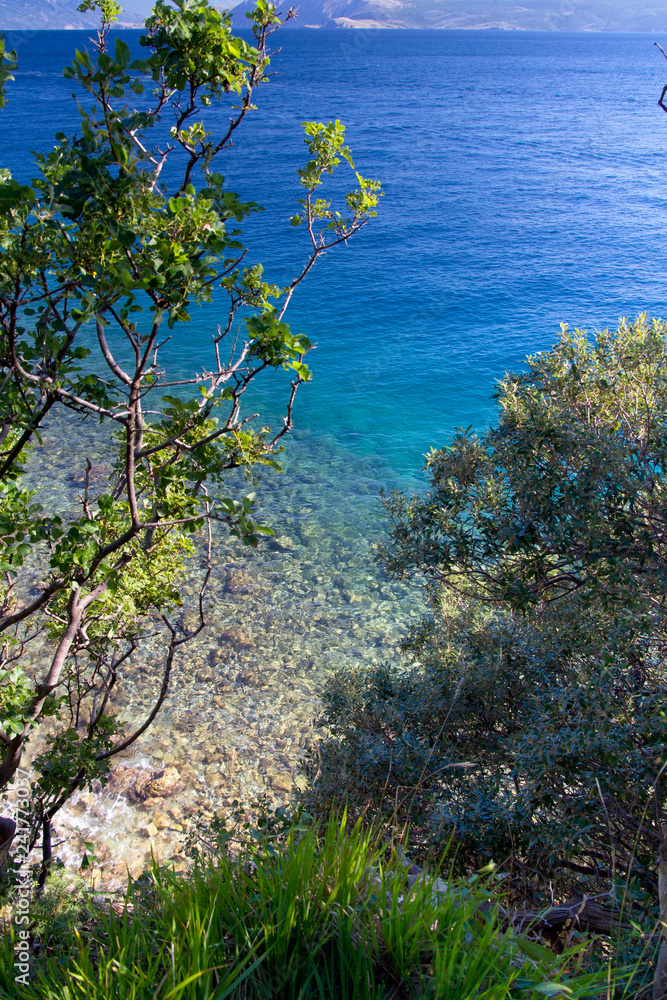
x=124, y=779
x=248, y=677
x=281, y=543
x=237, y=581
x=150, y=830
x=219, y=657
x=165, y=782
x=238, y=638
x=156, y=784
x=151, y=803
x=281, y=781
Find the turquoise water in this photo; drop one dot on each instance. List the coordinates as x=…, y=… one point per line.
x=524, y=187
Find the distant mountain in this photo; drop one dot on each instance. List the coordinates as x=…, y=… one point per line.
x=31, y=15
x=532, y=15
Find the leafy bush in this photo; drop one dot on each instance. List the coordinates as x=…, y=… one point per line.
x=529, y=726
x=500, y=736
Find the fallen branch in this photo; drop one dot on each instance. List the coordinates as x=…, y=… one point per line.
x=582, y=913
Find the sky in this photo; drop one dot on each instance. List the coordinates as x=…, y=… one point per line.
x=144, y=7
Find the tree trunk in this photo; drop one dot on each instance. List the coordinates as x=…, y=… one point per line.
x=660, y=978
x=47, y=853
x=76, y=610
x=7, y=831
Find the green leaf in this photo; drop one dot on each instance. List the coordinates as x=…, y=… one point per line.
x=553, y=989
x=533, y=950
x=122, y=53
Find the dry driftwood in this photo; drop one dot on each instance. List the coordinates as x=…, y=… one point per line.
x=579, y=914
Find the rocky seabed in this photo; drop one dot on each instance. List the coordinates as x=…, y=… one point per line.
x=244, y=697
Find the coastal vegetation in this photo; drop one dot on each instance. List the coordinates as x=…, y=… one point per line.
x=102, y=262
x=518, y=755
x=300, y=914
x=529, y=727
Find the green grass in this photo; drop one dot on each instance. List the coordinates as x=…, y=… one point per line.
x=327, y=915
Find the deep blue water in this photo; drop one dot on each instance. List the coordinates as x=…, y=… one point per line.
x=524, y=178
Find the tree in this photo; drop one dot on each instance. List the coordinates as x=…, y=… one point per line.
x=566, y=496
x=101, y=264
x=530, y=726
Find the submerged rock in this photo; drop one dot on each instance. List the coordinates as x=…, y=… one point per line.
x=238, y=638
x=237, y=581
x=281, y=543
x=281, y=781
x=164, y=783
x=140, y=785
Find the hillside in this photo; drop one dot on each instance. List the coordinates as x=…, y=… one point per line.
x=533, y=15
x=27, y=15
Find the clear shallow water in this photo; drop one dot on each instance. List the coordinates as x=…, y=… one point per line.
x=524, y=187
x=244, y=696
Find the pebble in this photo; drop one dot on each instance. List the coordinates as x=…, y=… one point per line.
x=282, y=782
x=244, y=693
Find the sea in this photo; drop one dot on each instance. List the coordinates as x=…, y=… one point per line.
x=524, y=178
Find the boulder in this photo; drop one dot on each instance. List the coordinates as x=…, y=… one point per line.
x=140, y=786
x=164, y=783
